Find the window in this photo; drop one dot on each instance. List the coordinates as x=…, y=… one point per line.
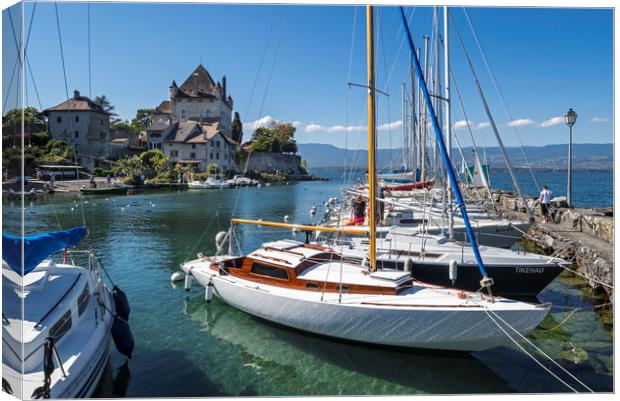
x=217, y=143
x=312, y=285
x=183, y=114
x=193, y=146
x=102, y=135
x=61, y=327
x=212, y=145
x=58, y=119
x=158, y=145
x=77, y=119
x=83, y=300
x=192, y=155
x=77, y=133
x=211, y=155
x=269, y=271
x=217, y=156
x=174, y=153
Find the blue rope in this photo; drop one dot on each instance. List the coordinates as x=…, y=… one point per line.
x=442, y=147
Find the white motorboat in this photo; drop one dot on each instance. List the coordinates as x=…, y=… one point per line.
x=209, y=183
x=313, y=289
x=241, y=181
x=57, y=342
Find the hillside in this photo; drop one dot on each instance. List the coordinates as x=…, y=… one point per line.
x=586, y=156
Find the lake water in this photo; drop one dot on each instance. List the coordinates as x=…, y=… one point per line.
x=590, y=188
x=185, y=347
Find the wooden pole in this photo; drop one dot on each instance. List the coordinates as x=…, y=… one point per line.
x=372, y=183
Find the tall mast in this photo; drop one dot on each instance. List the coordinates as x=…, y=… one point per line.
x=424, y=125
x=405, y=139
x=447, y=121
x=414, y=125
x=372, y=183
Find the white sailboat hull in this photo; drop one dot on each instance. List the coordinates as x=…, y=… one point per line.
x=377, y=319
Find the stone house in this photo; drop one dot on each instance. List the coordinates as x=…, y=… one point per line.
x=201, y=106
x=198, y=144
x=83, y=124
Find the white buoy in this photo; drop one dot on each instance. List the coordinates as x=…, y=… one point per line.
x=219, y=239
x=313, y=211
x=177, y=276
x=452, y=270
x=188, y=282
x=286, y=218
x=295, y=231
x=209, y=292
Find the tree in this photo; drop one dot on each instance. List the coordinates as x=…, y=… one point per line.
x=261, y=132
x=107, y=106
x=144, y=118
x=263, y=143
x=237, y=128
x=283, y=134
x=34, y=121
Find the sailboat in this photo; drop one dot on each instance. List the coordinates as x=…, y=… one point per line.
x=317, y=290
x=58, y=319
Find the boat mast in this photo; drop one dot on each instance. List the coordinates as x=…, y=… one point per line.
x=447, y=119
x=405, y=139
x=372, y=174
x=486, y=281
x=414, y=124
x=424, y=125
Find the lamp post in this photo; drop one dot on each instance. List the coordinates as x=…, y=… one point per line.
x=570, y=118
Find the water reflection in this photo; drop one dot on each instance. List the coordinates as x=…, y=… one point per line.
x=317, y=358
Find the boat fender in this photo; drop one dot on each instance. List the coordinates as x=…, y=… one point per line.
x=365, y=262
x=286, y=218
x=219, y=239
x=408, y=265
x=122, y=336
x=295, y=231
x=209, y=292
x=452, y=271
x=188, y=281
x=121, y=303
x=177, y=276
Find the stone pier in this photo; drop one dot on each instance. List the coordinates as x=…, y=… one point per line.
x=585, y=235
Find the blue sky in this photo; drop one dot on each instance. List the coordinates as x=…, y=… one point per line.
x=545, y=61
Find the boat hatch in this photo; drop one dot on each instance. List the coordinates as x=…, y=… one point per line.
x=390, y=274
x=61, y=327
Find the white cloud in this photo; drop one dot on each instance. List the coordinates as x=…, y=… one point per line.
x=552, y=121
x=600, y=120
x=350, y=128
x=521, y=122
x=392, y=125
x=268, y=122
x=462, y=124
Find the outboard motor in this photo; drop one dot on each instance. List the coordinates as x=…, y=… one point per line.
x=122, y=336
x=121, y=302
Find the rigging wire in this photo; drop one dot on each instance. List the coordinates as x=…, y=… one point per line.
x=501, y=95
x=71, y=133
x=260, y=66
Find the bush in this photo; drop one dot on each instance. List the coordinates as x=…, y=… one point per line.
x=102, y=172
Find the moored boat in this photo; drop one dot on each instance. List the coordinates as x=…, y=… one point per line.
x=57, y=342
x=104, y=190
x=315, y=289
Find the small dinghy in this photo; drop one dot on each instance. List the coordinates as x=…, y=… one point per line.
x=61, y=341
x=104, y=191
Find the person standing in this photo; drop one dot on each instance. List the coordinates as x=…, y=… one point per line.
x=545, y=203
x=358, y=212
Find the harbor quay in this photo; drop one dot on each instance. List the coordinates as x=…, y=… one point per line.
x=584, y=235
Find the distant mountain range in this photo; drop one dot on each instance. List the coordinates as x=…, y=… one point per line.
x=586, y=156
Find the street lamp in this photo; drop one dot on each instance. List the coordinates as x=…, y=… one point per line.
x=570, y=118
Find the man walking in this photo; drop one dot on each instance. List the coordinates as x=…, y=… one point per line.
x=545, y=203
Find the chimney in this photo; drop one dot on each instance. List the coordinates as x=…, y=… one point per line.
x=195, y=75
x=173, y=89
x=76, y=95
x=224, y=86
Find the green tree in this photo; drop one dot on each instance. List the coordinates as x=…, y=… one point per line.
x=143, y=118
x=107, y=106
x=237, y=128
x=212, y=168
x=34, y=122
x=261, y=132
x=283, y=134
x=262, y=144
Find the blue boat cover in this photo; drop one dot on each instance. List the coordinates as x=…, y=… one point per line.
x=37, y=247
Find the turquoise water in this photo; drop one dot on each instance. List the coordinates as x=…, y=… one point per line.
x=186, y=348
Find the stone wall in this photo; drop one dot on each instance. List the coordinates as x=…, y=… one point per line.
x=262, y=162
